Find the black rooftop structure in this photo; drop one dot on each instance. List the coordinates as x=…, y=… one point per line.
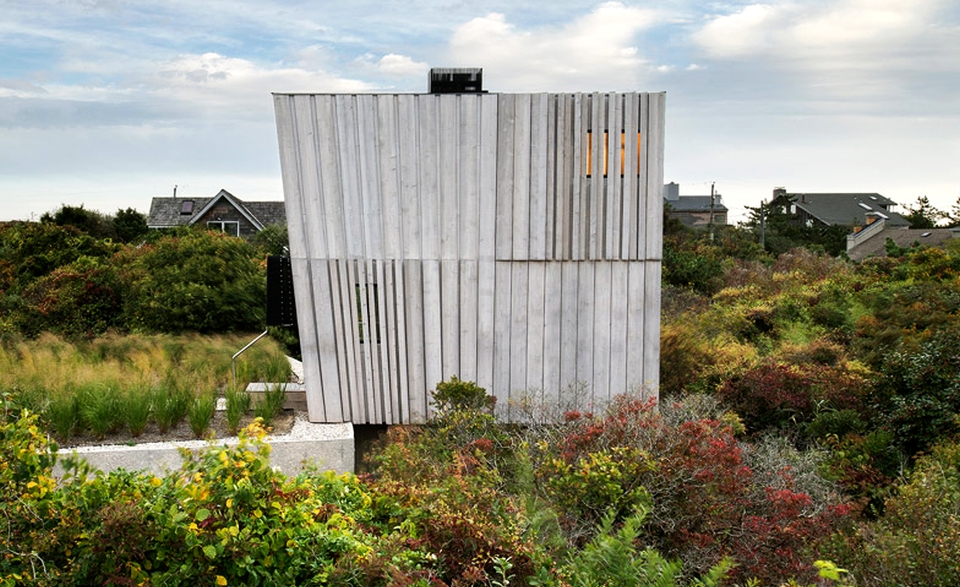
x=456, y=80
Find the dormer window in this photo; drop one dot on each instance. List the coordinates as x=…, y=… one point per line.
x=186, y=207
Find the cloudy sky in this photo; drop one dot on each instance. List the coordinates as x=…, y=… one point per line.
x=107, y=103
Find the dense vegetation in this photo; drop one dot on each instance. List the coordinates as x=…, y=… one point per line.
x=809, y=413
x=81, y=274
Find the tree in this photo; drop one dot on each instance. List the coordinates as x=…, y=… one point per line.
x=129, y=225
x=93, y=223
x=783, y=232
x=273, y=240
x=923, y=214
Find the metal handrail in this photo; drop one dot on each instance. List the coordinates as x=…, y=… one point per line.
x=234, y=361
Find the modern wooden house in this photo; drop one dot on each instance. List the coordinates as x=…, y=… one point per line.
x=509, y=239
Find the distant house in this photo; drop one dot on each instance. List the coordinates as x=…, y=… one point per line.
x=693, y=211
x=871, y=239
x=836, y=209
x=224, y=212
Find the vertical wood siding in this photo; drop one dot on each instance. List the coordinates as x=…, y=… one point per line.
x=509, y=239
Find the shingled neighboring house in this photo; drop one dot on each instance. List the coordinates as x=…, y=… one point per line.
x=224, y=212
x=871, y=239
x=849, y=209
x=693, y=211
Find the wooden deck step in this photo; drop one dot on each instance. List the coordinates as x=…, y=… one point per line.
x=296, y=394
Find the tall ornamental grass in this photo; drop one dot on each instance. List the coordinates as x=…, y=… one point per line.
x=115, y=383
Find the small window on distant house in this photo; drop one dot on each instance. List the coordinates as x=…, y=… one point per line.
x=186, y=207
x=231, y=227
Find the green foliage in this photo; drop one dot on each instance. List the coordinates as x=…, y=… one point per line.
x=697, y=265
x=238, y=404
x=919, y=391
x=461, y=395
x=225, y=518
x=600, y=484
x=75, y=300
x=917, y=541
x=923, y=214
x=460, y=516
x=781, y=394
x=136, y=409
x=783, y=231
x=198, y=281
x=611, y=558
x=200, y=413
x=701, y=486
x=101, y=409
x=129, y=225
x=87, y=221
x=273, y=240
x=152, y=379
x=271, y=403
x=69, y=275
x=170, y=405
x=36, y=249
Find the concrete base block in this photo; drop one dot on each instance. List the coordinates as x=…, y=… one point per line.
x=320, y=446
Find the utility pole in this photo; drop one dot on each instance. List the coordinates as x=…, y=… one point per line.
x=712, y=184
x=763, y=240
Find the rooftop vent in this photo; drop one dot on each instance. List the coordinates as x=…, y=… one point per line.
x=456, y=80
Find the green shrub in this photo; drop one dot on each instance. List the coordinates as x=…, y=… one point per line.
x=77, y=300
x=461, y=395
x=195, y=281
x=917, y=541
x=611, y=558
x=704, y=487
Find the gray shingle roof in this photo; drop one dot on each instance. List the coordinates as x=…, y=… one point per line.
x=875, y=246
x=695, y=204
x=848, y=209
x=167, y=212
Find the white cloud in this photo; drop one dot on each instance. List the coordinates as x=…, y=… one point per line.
x=596, y=51
x=401, y=65
x=750, y=31
x=821, y=34
x=234, y=88
x=839, y=55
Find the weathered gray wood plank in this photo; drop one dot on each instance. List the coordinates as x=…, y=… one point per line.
x=536, y=315
x=409, y=154
x=450, y=308
x=416, y=366
x=506, y=160
x=432, y=324
x=468, y=342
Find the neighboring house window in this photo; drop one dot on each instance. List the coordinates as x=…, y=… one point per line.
x=606, y=161
x=231, y=227
x=186, y=207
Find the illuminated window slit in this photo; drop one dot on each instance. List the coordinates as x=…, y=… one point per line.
x=606, y=160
